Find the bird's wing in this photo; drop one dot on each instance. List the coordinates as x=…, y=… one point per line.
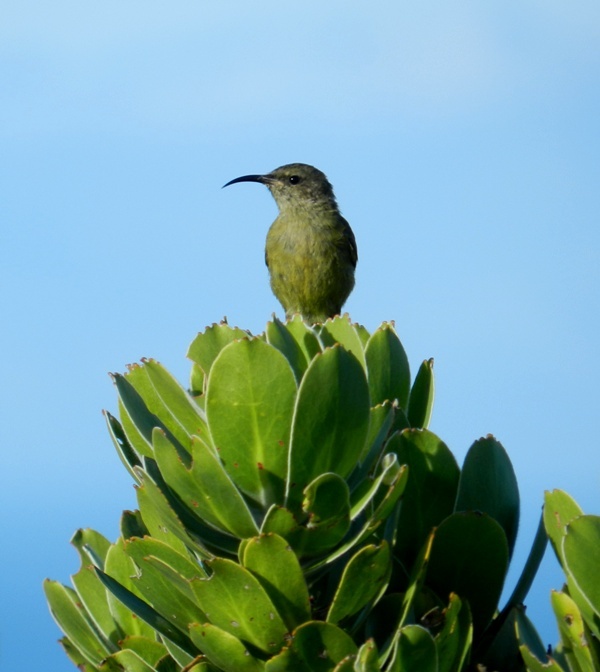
x=351, y=241
x=266, y=259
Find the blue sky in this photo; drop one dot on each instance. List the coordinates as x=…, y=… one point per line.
x=462, y=139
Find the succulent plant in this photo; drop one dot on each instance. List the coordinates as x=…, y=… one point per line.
x=296, y=514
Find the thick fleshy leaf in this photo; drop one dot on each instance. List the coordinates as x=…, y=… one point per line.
x=315, y=647
x=91, y=544
x=559, y=510
x=160, y=518
x=308, y=539
x=270, y=558
x=580, y=552
x=149, y=650
x=367, y=490
x=207, y=345
x=469, y=557
x=488, y=484
x=420, y=402
x=577, y=644
x=223, y=649
x=126, y=661
x=415, y=651
x=132, y=525
x=249, y=403
x=136, y=420
x=128, y=455
x=454, y=640
x=204, y=486
x=380, y=423
x=148, y=615
x=341, y=330
x=534, y=665
x=388, y=490
x=365, y=576
x=431, y=489
x=527, y=634
x=304, y=336
x=120, y=569
x=174, y=405
x=367, y=659
x=72, y=618
x=167, y=591
x=498, y=649
x=92, y=596
x=331, y=421
x=279, y=336
x=387, y=367
x=236, y=602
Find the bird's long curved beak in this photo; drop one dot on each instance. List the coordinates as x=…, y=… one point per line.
x=246, y=178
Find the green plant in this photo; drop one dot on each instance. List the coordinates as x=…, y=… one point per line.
x=295, y=513
x=575, y=539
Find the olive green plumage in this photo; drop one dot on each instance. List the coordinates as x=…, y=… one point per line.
x=311, y=251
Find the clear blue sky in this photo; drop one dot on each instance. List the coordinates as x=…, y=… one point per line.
x=462, y=139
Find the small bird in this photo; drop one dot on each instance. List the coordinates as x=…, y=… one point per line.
x=311, y=251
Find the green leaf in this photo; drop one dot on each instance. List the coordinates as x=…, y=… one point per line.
x=580, y=549
x=431, y=489
x=327, y=504
x=75, y=656
x=498, y=649
x=163, y=580
x=314, y=647
x=534, y=665
x=72, y=619
x=120, y=569
x=454, y=640
x=526, y=633
x=367, y=659
x=272, y=561
x=341, y=330
x=331, y=421
x=249, y=403
x=388, y=490
x=355, y=591
x=380, y=423
x=160, y=518
x=126, y=661
x=279, y=336
x=173, y=404
x=488, y=484
x=207, y=345
x=125, y=450
x=304, y=336
x=420, y=402
x=146, y=613
x=223, y=649
x=469, y=557
x=149, y=650
x=387, y=367
x=370, y=490
x=204, y=486
x=92, y=596
x=574, y=635
x=415, y=652
x=559, y=510
x=136, y=420
x=236, y=602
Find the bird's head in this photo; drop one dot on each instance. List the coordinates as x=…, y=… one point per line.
x=295, y=185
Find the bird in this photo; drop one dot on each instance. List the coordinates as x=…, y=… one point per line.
x=310, y=251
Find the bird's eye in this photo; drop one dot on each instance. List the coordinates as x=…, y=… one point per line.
x=294, y=179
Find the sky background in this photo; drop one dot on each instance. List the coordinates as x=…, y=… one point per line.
x=462, y=140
